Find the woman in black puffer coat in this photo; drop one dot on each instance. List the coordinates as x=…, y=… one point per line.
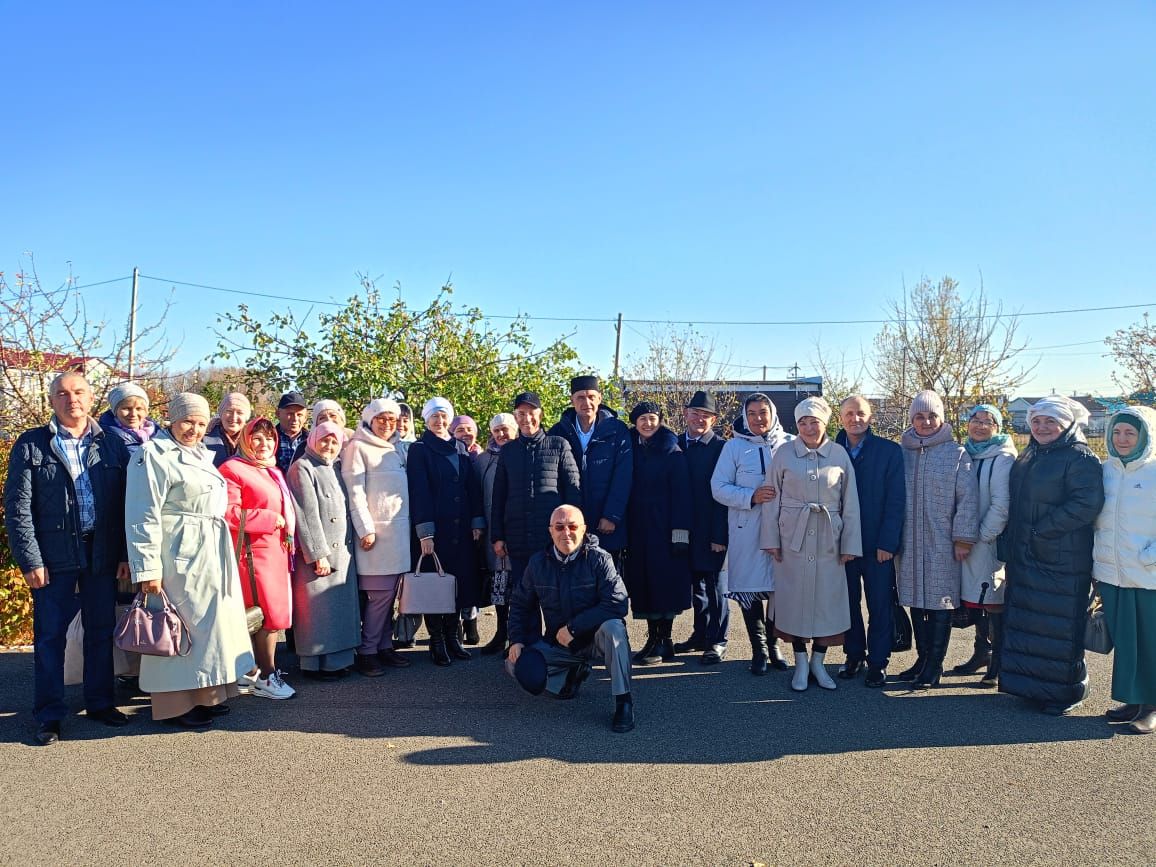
x=1057, y=491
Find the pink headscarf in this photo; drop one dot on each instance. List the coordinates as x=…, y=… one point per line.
x=319, y=432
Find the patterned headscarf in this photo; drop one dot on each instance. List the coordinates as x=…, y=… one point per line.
x=245, y=442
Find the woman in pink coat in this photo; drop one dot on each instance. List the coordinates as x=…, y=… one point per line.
x=258, y=493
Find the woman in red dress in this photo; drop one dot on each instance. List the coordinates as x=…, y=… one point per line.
x=258, y=494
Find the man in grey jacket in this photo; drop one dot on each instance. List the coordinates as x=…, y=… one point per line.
x=64, y=512
x=574, y=586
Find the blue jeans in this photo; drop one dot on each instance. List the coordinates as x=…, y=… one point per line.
x=878, y=581
x=712, y=610
x=54, y=607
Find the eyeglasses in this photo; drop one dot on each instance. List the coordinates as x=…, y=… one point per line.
x=981, y=422
x=562, y=528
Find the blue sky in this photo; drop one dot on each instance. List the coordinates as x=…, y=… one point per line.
x=745, y=162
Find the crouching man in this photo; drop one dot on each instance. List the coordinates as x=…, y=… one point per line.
x=575, y=587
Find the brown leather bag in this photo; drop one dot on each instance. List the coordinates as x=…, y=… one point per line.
x=254, y=616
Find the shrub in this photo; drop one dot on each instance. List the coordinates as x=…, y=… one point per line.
x=15, y=601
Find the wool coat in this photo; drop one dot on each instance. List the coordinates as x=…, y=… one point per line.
x=445, y=499
x=374, y=472
x=606, y=470
x=175, y=506
x=983, y=566
x=326, y=609
x=657, y=580
x=534, y=476
x=813, y=522
x=254, y=490
x=743, y=465
x=1124, y=552
x=1057, y=492
x=708, y=516
x=942, y=509
x=487, y=465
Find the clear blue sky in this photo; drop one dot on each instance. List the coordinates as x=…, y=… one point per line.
x=667, y=160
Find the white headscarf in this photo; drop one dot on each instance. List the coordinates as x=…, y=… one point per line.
x=1063, y=409
x=436, y=404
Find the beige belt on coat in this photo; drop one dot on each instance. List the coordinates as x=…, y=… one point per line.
x=799, y=535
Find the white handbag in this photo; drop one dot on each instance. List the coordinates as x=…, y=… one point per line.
x=428, y=592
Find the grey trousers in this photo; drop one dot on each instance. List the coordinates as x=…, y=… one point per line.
x=611, y=645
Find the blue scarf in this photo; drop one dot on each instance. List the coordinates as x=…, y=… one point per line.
x=979, y=450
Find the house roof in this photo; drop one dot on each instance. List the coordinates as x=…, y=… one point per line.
x=26, y=359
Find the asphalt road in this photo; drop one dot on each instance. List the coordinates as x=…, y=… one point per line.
x=434, y=766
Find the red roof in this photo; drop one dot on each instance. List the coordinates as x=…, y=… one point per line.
x=29, y=360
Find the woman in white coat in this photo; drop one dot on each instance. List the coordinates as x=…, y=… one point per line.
x=982, y=584
x=812, y=530
x=1124, y=565
x=178, y=543
x=373, y=468
x=740, y=483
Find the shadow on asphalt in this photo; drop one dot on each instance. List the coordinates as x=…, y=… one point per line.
x=687, y=714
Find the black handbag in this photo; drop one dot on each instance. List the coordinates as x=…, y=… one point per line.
x=901, y=632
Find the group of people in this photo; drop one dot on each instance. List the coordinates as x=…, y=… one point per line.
x=251, y=528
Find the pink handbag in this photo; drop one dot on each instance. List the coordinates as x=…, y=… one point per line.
x=154, y=633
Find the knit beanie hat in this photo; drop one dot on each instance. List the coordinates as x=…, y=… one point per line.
x=926, y=401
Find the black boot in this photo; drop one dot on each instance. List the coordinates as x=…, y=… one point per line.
x=939, y=635
x=995, y=629
x=498, y=643
x=648, y=654
x=919, y=634
x=757, y=632
x=470, y=631
x=778, y=661
x=665, y=648
x=452, y=628
x=623, y=713
x=981, y=652
x=437, y=640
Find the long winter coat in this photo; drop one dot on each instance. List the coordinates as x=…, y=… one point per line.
x=255, y=490
x=445, y=498
x=487, y=465
x=534, y=476
x=942, y=509
x=1125, y=543
x=175, y=523
x=1057, y=492
x=743, y=466
x=374, y=472
x=326, y=610
x=708, y=516
x=658, y=581
x=813, y=521
x=983, y=565
x=606, y=469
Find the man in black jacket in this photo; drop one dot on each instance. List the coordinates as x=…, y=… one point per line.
x=575, y=587
x=708, y=534
x=64, y=512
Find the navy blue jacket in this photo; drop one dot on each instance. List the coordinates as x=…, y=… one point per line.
x=708, y=516
x=606, y=469
x=445, y=498
x=882, y=491
x=581, y=594
x=41, y=513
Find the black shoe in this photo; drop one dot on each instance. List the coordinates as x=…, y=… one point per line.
x=368, y=665
x=48, y=733
x=196, y=718
x=665, y=650
x=688, y=646
x=457, y=650
x=648, y=654
x=392, y=659
x=215, y=709
x=575, y=677
x=623, y=716
x=1145, y=723
x=875, y=678
x=438, y=652
x=470, y=630
x=1057, y=709
x=850, y=669
x=715, y=655
x=1123, y=713
x=975, y=664
x=322, y=676
x=110, y=716
x=910, y=674
x=403, y=645
x=778, y=661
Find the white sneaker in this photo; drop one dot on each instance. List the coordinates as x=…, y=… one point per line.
x=820, y=671
x=274, y=687
x=246, y=683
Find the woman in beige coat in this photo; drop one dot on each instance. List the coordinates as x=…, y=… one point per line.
x=812, y=529
x=178, y=542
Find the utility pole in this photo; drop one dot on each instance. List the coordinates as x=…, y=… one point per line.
x=617, y=347
x=132, y=326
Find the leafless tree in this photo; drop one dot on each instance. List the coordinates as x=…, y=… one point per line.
x=1134, y=349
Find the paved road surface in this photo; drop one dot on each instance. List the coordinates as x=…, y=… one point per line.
x=458, y=766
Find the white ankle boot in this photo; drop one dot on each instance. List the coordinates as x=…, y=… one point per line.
x=799, y=681
x=819, y=671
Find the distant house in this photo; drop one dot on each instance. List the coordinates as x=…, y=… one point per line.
x=1099, y=408
x=26, y=375
x=1017, y=411
x=784, y=393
